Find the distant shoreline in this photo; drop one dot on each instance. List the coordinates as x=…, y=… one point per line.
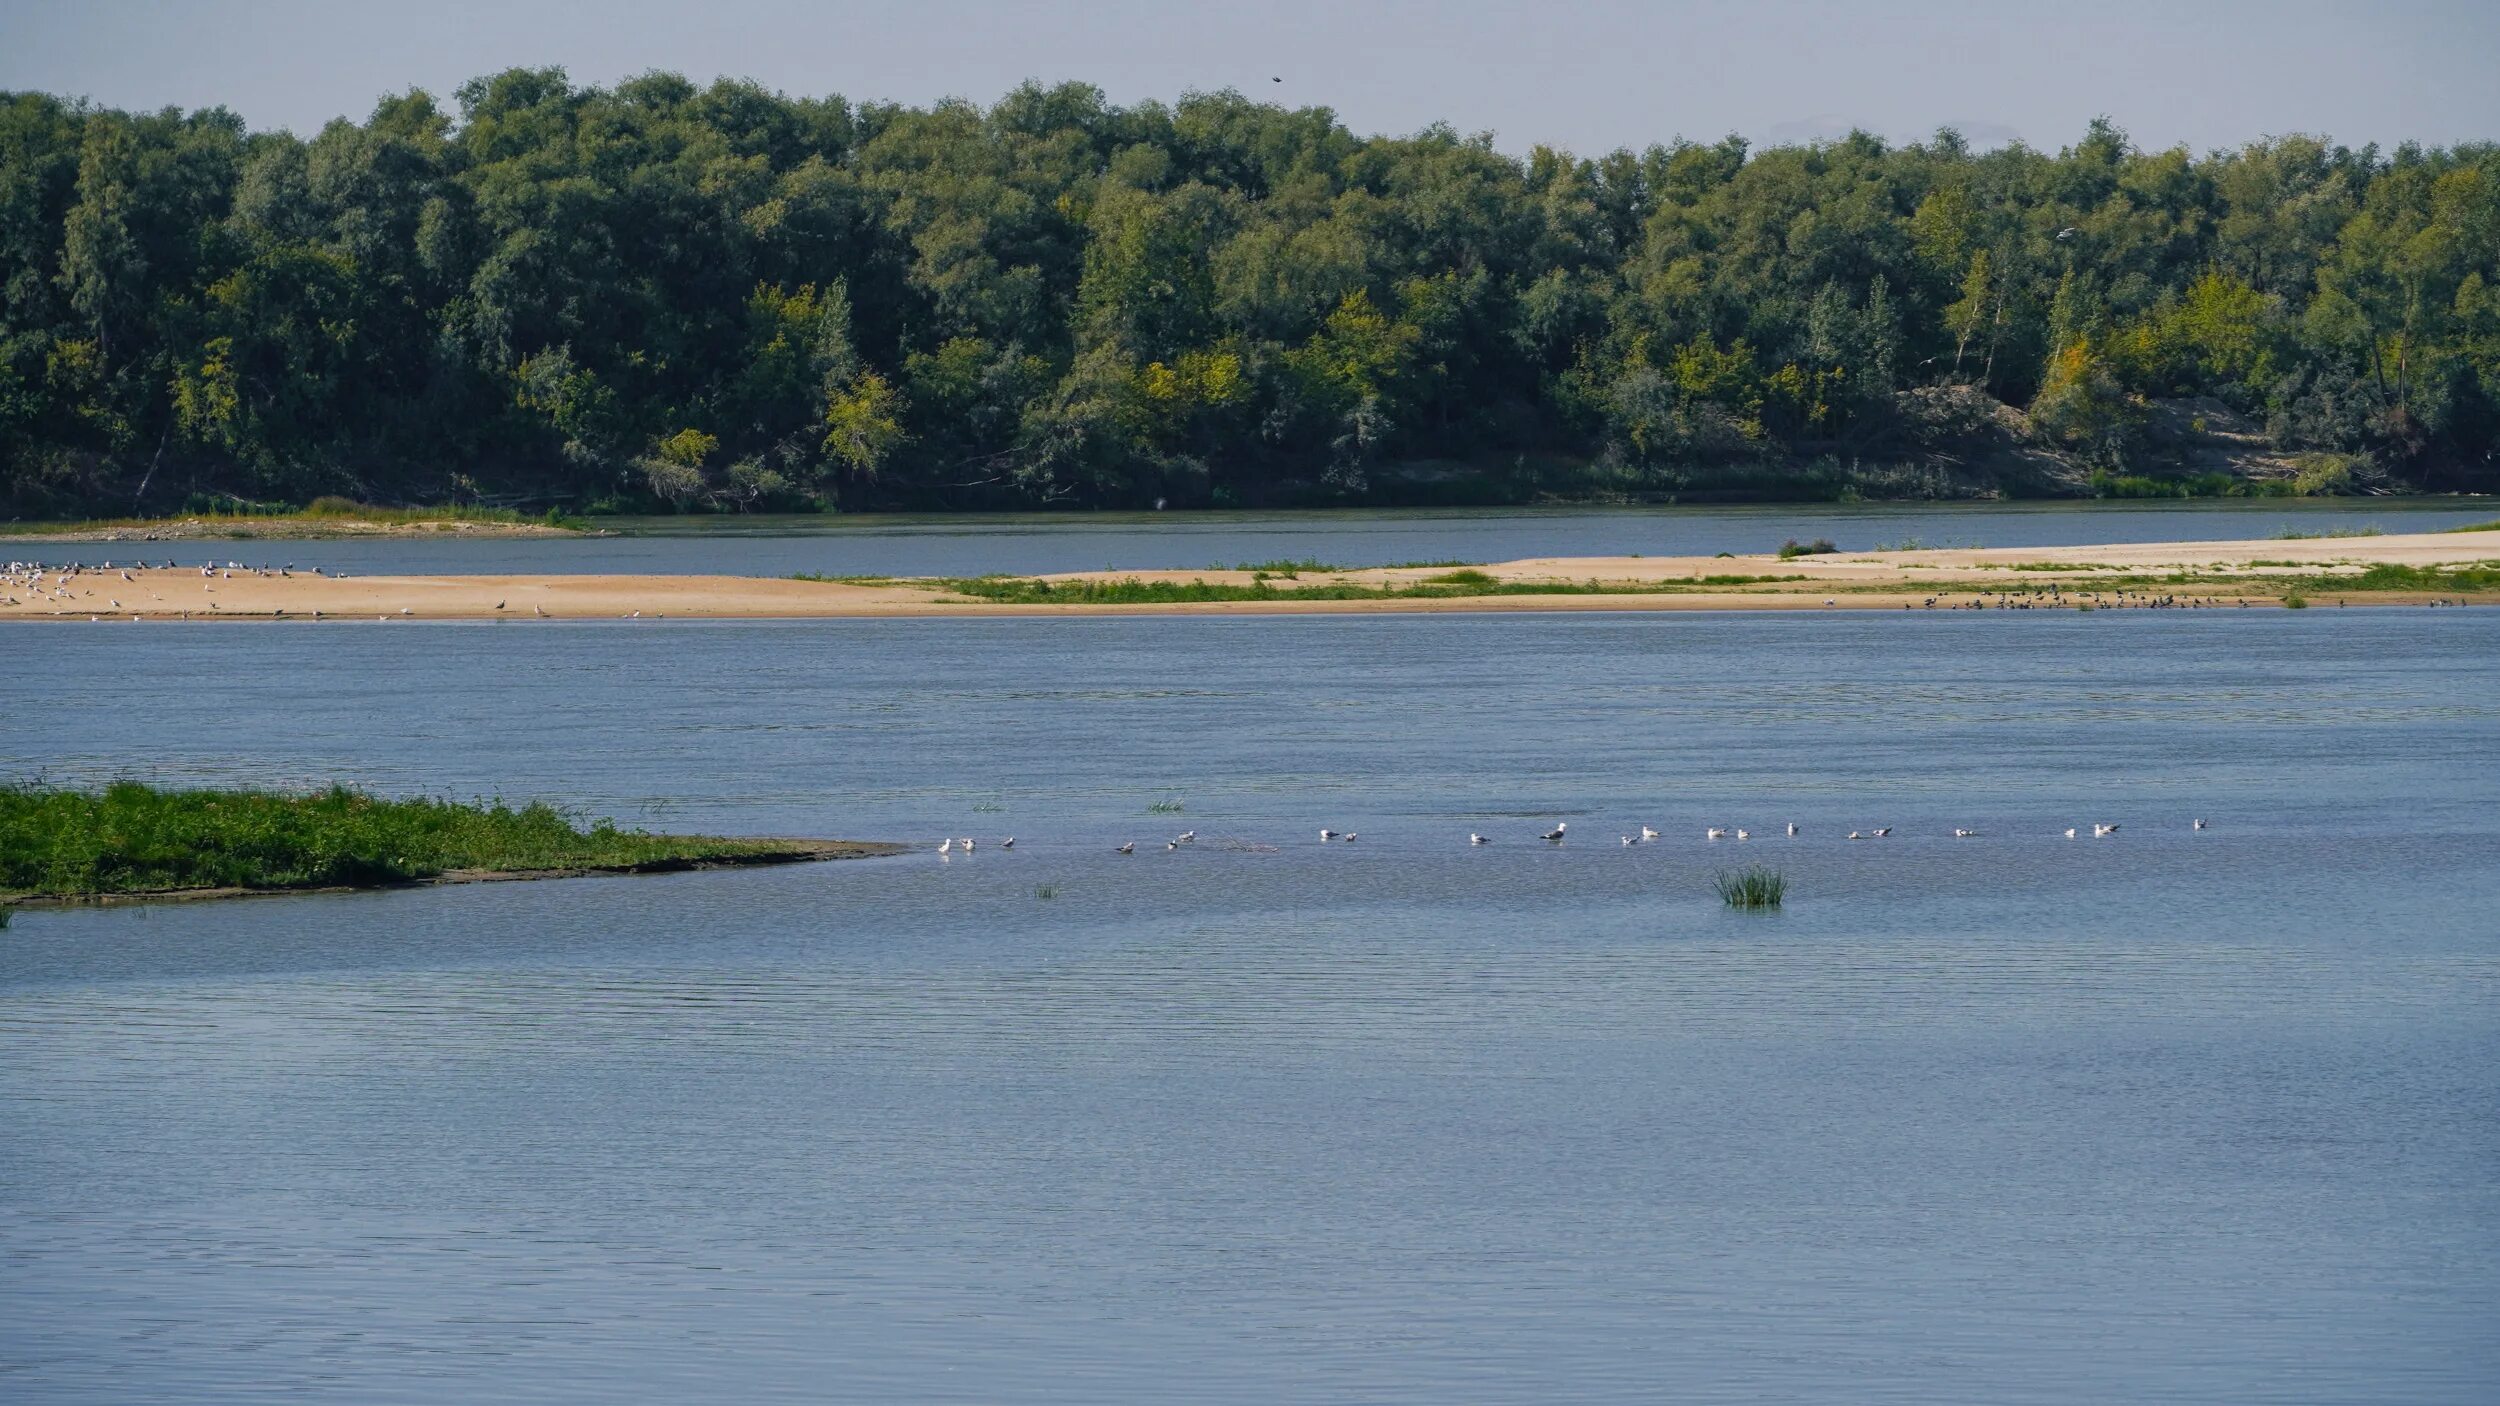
x=2387, y=569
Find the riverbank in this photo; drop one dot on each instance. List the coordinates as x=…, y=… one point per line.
x=297, y=527
x=2394, y=569
x=132, y=842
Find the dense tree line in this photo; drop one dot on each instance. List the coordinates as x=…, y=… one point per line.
x=724, y=297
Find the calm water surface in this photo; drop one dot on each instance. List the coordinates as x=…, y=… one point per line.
x=1036, y=542
x=2170, y=1117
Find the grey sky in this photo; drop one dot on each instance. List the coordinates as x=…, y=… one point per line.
x=1588, y=76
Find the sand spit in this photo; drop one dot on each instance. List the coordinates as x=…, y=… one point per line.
x=2225, y=572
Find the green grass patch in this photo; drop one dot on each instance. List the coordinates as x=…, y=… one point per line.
x=1287, y=567
x=2491, y=526
x=1132, y=590
x=130, y=838
x=1754, y=886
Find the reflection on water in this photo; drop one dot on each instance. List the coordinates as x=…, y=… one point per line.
x=1037, y=542
x=2172, y=1116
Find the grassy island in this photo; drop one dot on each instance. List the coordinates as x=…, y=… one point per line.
x=134, y=839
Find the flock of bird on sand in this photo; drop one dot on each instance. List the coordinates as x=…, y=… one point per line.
x=66, y=585
x=952, y=846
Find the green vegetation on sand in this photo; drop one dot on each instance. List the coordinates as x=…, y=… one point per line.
x=130, y=838
x=1452, y=585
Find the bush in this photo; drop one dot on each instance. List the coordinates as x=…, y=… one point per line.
x=1820, y=546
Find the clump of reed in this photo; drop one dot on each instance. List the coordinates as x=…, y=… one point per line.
x=1792, y=549
x=1045, y=892
x=1754, y=886
x=1169, y=805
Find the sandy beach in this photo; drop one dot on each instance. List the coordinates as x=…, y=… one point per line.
x=2221, y=572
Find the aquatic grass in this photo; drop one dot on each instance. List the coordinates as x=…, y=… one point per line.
x=130, y=837
x=2294, y=600
x=1045, y=892
x=1754, y=886
x=2491, y=526
x=2295, y=535
x=1169, y=805
x=825, y=580
x=1792, y=549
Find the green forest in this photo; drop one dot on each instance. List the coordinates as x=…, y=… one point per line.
x=659, y=296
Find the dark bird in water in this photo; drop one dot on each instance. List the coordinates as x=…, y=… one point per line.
x=1276, y=80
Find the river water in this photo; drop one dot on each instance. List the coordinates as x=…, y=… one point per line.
x=2179, y=1116
x=1040, y=542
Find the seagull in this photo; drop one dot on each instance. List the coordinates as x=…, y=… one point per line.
x=1325, y=835
x=1129, y=848
x=1348, y=837
x=1648, y=834
x=1186, y=836
x=1855, y=835
x=2070, y=832
x=1882, y=833
x=2103, y=831
x=1744, y=834
x=1007, y=843
x=2067, y=233
x=2200, y=824
x=967, y=844
x=1792, y=829
x=1170, y=845
x=406, y=611
x=946, y=846
x=1716, y=833
x=1627, y=840
x=537, y=611
x=499, y=605
x=1556, y=833
x=1964, y=834
x=1475, y=839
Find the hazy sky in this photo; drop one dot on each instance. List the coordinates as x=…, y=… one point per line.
x=1588, y=76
